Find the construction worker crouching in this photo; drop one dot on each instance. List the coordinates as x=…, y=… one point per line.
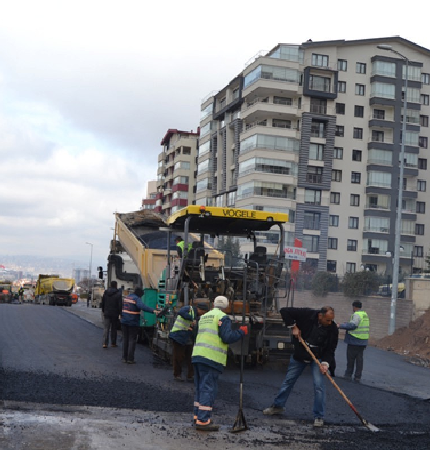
x=209, y=359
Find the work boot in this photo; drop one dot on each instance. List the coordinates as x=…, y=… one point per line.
x=207, y=426
x=179, y=379
x=104, y=346
x=273, y=410
x=357, y=380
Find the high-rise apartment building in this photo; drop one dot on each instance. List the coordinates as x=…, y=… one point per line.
x=315, y=130
x=176, y=171
x=151, y=195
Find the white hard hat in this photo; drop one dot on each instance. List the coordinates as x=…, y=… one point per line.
x=220, y=302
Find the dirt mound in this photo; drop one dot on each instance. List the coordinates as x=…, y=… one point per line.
x=413, y=341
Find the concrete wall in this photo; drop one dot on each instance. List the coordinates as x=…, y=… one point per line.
x=418, y=289
x=378, y=309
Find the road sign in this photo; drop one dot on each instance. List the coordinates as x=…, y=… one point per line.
x=295, y=253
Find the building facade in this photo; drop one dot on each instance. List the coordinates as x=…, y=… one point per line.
x=151, y=195
x=176, y=171
x=315, y=130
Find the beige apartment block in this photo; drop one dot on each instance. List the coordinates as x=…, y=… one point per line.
x=176, y=169
x=315, y=130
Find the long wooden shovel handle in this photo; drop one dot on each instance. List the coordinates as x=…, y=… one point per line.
x=363, y=421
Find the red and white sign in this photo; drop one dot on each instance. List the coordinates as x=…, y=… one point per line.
x=295, y=253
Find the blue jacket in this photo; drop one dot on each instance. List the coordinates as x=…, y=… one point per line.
x=228, y=336
x=350, y=326
x=131, y=307
x=183, y=337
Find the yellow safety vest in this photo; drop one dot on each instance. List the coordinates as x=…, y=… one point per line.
x=182, y=324
x=362, y=331
x=208, y=343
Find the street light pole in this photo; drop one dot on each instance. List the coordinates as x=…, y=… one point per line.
x=89, y=272
x=396, y=259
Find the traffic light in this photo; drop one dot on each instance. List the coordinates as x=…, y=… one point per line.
x=100, y=269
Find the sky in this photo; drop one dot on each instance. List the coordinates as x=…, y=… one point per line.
x=89, y=88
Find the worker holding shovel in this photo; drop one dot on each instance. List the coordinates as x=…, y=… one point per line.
x=320, y=332
x=209, y=359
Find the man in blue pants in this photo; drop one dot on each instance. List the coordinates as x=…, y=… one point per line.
x=319, y=331
x=209, y=359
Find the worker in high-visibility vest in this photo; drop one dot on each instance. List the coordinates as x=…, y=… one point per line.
x=209, y=359
x=182, y=335
x=357, y=338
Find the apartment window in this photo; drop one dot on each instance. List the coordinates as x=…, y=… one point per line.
x=314, y=174
x=353, y=223
x=333, y=221
x=340, y=130
x=358, y=133
x=421, y=207
x=356, y=155
x=423, y=142
x=379, y=114
x=342, y=65
x=335, y=198
x=350, y=267
x=332, y=243
x=340, y=108
x=336, y=175
x=341, y=87
x=278, y=123
x=312, y=197
x=316, y=151
x=360, y=67
x=424, y=99
x=312, y=220
x=311, y=243
x=319, y=83
x=419, y=229
x=356, y=177
x=422, y=163
x=360, y=89
x=351, y=245
x=358, y=111
x=355, y=200
x=424, y=121
x=338, y=153
x=418, y=251
x=331, y=265
x=377, y=136
x=282, y=101
x=319, y=60
x=425, y=78
x=421, y=185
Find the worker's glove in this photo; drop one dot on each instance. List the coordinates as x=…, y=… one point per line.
x=244, y=328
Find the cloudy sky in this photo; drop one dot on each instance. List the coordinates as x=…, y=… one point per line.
x=89, y=88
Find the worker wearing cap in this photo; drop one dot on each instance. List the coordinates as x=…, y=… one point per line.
x=357, y=338
x=182, y=335
x=209, y=359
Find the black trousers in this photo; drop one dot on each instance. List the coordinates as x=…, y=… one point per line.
x=129, y=339
x=354, y=356
x=182, y=353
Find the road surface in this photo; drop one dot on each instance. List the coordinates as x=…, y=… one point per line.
x=61, y=389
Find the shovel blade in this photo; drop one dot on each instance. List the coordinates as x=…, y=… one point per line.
x=240, y=423
x=371, y=427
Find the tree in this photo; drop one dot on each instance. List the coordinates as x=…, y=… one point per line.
x=360, y=283
x=323, y=283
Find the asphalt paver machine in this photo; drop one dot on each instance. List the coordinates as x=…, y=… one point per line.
x=254, y=285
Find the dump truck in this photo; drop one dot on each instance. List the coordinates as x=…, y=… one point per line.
x=138, y=256
x=252, y=285
x=53, y=290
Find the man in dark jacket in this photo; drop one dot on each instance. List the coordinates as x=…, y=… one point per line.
x=130, y=323
x=182, y=336
x=320, y=332
x=111, y=310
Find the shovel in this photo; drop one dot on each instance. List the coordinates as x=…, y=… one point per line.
x=363, y=421
x=240, y=422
